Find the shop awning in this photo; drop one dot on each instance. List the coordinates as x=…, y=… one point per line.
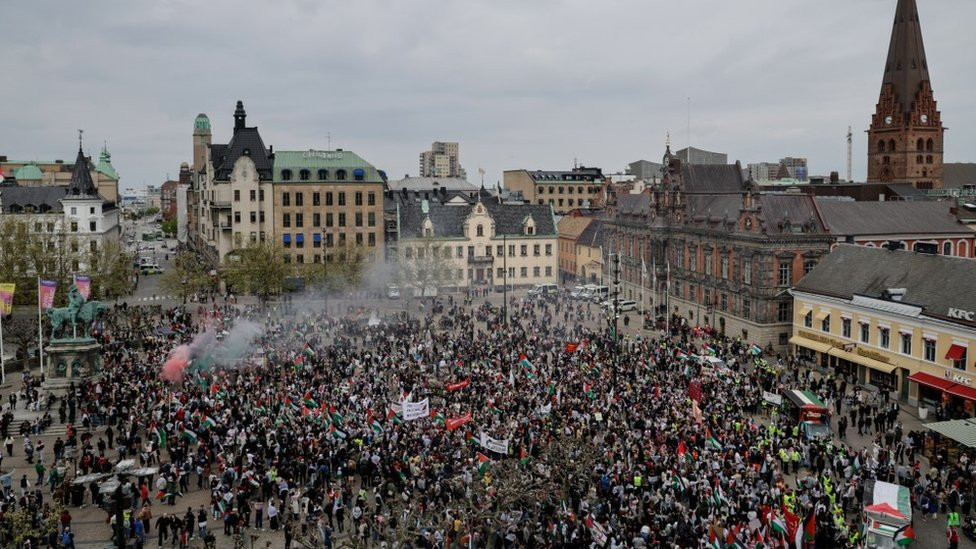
x=955, y=352
x=931, y=381
x=963, y=391
x=862, y=360
x=810, y=344
x=962, y=431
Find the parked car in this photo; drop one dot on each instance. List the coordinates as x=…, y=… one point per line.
x=392, y=291
x=623, y=305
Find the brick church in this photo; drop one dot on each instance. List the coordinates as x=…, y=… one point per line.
x=905, y=137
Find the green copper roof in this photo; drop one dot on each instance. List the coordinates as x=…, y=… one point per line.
x=105, y=164
x=201, y=122
x=28, y=172
x=331, y=161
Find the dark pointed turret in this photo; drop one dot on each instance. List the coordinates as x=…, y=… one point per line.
x=907, y=67
x=239, y=116
x=81, y=185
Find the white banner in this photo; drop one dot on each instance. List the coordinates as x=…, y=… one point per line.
x=773, y=398
x=494, y=444
x=416, y=410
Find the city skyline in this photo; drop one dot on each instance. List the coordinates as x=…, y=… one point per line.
x=602, y=92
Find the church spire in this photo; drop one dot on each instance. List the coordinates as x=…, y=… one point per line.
x=81, y=185
x=906, y=67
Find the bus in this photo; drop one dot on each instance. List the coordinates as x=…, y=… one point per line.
x=809, y=411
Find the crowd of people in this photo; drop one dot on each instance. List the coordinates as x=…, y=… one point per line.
x=538, y=431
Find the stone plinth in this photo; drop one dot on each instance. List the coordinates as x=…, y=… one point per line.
x=70, y=360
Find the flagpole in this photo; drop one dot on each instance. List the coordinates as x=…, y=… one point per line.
x=654, y=286
x=667, y=296
x=74, y=325
x=40, y=332
x=3, y=363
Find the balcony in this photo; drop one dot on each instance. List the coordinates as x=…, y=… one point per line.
x=220, y=205
x=481, y=259
x=225, y=226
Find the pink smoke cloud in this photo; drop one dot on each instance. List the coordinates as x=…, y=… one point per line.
x=175, y=365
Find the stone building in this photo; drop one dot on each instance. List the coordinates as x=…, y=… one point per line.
x=563, y=190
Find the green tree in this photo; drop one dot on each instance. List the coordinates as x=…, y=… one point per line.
x=259, y=269
x=188, y=276
x=27, y=252
x=169, y=227
x=111, y=270
x=428, y=265
x=342, y=268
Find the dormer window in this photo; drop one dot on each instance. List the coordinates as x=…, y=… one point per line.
x=530, y=230
x=286, y=175
x=341, y=175
x=323, y=175
x=304, y=175
x=480, y=230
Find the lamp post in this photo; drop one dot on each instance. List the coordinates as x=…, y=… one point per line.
x=183, y=284
x=505, y=278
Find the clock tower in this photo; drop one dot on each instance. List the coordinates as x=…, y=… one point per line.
x=905, y=137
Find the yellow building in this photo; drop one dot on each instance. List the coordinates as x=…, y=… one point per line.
x=563, y=190
x=899, y=320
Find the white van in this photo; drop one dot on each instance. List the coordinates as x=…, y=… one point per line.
x=599, y=294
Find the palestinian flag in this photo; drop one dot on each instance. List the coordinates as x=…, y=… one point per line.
x=779, y=525
x=161, y=494
x=253, y=482
x=292, y=406
x=472, y=439
x=713, y=540
x=208, y=422
x=711, y=441
x=483, y=462
x=336, y=433
x=160, y=434
x=335, y=415
x=905, y=535
x=299, y=362
x=755, y=349
x=309, y=401
x=681, y=356
x=809, y=529
x=524, y=456
x=438, y=417
x=392, y=416
x=373, y=423
x=588, y=389
x=307, y=349
x=189, y=435
x=524, y=362
x=710, y=350
x=678, y=483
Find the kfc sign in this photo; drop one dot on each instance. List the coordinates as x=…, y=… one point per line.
x=961, y=314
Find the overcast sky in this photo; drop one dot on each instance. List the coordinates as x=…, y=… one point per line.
x=519, y=83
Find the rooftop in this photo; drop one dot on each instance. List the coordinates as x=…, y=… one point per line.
x=331, y=161
x=916, y=217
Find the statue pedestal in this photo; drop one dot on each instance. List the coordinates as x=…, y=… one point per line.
x=70, y=360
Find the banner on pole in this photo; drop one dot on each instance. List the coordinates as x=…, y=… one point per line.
x=45, y=293
x=7, y=298
x=451, y=387
x=83, y=283
x=499, y=446
x=455, y=422
x=416, y=410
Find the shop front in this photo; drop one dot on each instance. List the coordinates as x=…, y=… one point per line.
x=951, y=396
x=874, y=369
x=815, y=348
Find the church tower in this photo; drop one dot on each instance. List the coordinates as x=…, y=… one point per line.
x=905, y=137
x=201, y=141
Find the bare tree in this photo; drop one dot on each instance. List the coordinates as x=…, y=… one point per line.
x=427, y=265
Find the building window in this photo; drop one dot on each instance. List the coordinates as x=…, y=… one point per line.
x=708, y=263
x=286, y=175
x=286, y=199
x=928, y=347
x=785, y=272
x=500, y=250
x=323, y=175
x=299, y=241
x=328, y=199
x=253, y=217
x=261, y=216
x=260, y=195
x=536, y=272
x=960, y=364
x=237, y=195
x=359, y=219
x=299, y=220
x=329, y=240
x=370, y=198
x=906, y=344
x=304, y=175
x=535, y=250
x=747, y=309
x=342, y=198
x=299, y=199
x=884, y=337
x=808, y=320
x=747, y=271
x=328, y=219
x=371, y=219
x=93, y=246
x=286, y=220
x=91, y=226
x=359, y=198
x=342, y=219
x=865, y=332
x=74, y=226
x=359, y=239
x=724, y=302
x=237, y=217
x=524, y=272
x=725, y=268
x=511, y=250
x=808, y=266
x=316, y=220
x=371, y=239
x=548, y=249
x=825, y=324
x=501, y=273
x=548, y=271
x=524, y=249
x=341, y=176
x=784, y=309
x=845, y=327
x=480, y=230
x=253, y=195
x=947, y=248
x=511, y=272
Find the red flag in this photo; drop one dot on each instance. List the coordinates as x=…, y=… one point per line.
x=451, y=387
x=695, y=391
x=571, y=347
x=792, y=524
x=455, y=422
x=810, y=530
x=682, y=450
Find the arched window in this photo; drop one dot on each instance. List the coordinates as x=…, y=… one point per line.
x=481, y=230
x=921, y=145
x=928, y=159
x=929, y=145
x=341, y=175
x=551, y=189
x=891, y=145
x=947, y=248
x=286, y=175
x=881, y=146
x=304, y=175
x=323, y=175
x=919, y=159
x=962, y=248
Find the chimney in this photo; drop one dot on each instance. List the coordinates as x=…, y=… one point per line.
x=834, y=178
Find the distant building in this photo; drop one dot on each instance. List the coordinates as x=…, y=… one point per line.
x=432, y=183
x=795, y=167
x=691, y=155
x=644, y=170
x=46, y=173
x=580, y=249
x=167, y=199
x=563, y=190
x=441, y=161
x=789, y=169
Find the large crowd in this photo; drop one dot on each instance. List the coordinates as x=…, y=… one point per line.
x=537, y=432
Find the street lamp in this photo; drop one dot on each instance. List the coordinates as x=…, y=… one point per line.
x=183, y=284
x=505, y=278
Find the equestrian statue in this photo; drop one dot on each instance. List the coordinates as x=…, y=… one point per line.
x=65, y=320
